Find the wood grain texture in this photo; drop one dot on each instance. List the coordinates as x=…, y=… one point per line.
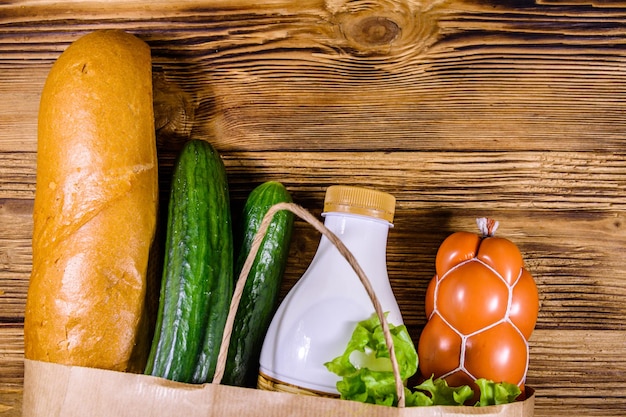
x=460, y=108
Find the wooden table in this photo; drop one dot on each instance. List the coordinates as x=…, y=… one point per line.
x=461, y=109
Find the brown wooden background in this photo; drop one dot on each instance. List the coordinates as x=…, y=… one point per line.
x=512, y=109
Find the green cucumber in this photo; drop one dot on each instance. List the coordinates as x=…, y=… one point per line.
x=197, y=282
x=260, y=294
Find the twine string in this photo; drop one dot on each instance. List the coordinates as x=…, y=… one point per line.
x=343, y=250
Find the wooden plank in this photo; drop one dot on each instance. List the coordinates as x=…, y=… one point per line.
x=572, y=246
x=585, y=181
x=11, y=402
x=505, y=180
x=475, y=68
x=11, y=369
x=17, y=173
x=11, y=356
x=561, y=360
x=579, y=280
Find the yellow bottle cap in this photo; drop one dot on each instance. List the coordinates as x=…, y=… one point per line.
x=358, y=200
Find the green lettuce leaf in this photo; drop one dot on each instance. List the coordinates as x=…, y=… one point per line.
x=494, y=393
x=367, y=374
x=440, y=393
x=365, y=366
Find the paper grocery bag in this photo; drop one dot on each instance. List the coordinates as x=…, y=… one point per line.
x=55, y=390
x=52, y=390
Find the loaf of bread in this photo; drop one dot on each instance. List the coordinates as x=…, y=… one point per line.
x=95, y=204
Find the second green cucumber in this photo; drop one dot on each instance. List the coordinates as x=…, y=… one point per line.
x=260, y=295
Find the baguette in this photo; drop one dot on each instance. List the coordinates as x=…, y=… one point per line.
x=95, y=207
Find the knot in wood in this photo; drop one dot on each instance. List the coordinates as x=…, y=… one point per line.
x=174, y=112
x=374, y=30
x=383, y=32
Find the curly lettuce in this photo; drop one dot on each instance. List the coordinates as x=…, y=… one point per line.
x=439, y=393
x=494, y=393
x=367, y=375
x=365, y=365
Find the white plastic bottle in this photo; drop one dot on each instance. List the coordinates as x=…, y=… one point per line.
x=316, y=319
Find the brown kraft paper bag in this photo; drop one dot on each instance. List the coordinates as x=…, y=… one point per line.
x=55, y=390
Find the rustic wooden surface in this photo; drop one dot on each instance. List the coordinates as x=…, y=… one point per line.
x=515, y=109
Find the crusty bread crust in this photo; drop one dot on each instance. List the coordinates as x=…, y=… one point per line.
x=95, y=204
